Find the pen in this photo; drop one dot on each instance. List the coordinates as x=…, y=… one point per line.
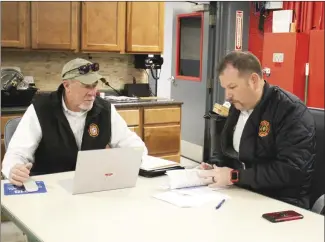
x=220, y=204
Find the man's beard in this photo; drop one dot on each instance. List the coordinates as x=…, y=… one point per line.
x=86, y=107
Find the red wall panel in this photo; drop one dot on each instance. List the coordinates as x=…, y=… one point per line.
x=290, y=74
x=316, y=69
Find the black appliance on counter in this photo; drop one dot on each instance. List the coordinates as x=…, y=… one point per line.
x=15, y=92
x=137, y=90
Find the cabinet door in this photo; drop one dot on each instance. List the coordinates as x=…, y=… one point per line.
x=145, y=27
x=55, y=25
x=162, y=140
x=14, y=24
x=103, y=26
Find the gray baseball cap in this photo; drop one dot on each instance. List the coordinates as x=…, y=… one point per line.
x=87, y=79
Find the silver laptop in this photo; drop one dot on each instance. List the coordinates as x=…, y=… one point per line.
x=106, y=169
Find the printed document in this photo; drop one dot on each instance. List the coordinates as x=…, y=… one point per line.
x=191, y=197
x=187, y=189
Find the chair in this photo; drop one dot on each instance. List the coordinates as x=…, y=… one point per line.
x=317, y=187
x=10, y=129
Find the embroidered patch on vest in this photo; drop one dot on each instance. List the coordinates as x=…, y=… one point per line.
x=264, y=128
x=93, y=130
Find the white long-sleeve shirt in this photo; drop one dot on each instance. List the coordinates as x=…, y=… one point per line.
x=241, y=122
x=28, y=135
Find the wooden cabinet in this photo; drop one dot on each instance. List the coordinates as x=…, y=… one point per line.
x=162, y=131
x=103, y=26
x=145, y=26
x=14, y=24
x=133, y=27
x=159, y=127
x=55, y=25
x=132, y=119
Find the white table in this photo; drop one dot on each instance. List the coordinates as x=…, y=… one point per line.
x=134, y=215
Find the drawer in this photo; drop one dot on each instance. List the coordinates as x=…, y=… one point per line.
x=131, y=116
x=4, y=120
x=162, y=115
x=162, y=139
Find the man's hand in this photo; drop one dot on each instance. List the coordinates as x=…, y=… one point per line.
x=205, y=166
x=20, y=173
x=219, y=175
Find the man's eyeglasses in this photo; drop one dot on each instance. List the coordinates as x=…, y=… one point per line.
x=85, y=69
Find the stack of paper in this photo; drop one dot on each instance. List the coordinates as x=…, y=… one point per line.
x=150, y=163
x=120, y=98
x=185, y=178
x=281, y=21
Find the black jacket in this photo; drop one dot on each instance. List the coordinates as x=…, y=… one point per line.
x=277, y=148
x=57, y=150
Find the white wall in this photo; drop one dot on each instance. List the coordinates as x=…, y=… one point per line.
x=164, y=82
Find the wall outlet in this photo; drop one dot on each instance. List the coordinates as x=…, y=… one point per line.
x=278, y=57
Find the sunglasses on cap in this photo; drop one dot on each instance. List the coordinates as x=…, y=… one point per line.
x=84, y=69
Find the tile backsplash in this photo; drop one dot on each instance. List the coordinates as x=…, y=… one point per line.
x=46, y=67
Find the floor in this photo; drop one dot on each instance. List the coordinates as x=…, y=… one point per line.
x=10, y=233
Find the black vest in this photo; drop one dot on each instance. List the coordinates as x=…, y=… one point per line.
x=57, y=150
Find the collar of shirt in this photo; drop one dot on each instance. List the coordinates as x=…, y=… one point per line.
x=247, y=113
x=72, y=113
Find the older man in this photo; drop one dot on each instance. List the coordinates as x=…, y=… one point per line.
x=56, y=126
x=268, y=140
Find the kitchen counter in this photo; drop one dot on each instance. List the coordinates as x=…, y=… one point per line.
x=128, y=104
x=12, y=110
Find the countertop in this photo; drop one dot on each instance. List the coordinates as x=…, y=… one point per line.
x=129, y=104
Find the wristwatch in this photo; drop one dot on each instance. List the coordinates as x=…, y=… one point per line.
x=234, y=176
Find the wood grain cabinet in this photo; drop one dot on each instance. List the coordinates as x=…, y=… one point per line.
x=132, y=118
x=54, y=25
x=162, y=131
x=132, y=27
x=14, y=24
x=145, y=26
x=103, y=26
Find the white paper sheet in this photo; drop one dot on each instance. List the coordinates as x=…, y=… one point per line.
x=153, y=163
x=191, y=197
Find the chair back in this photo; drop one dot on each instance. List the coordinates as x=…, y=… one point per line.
x=10, y=129
x=318, y=188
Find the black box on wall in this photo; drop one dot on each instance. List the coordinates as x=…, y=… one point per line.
x=139, y=61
